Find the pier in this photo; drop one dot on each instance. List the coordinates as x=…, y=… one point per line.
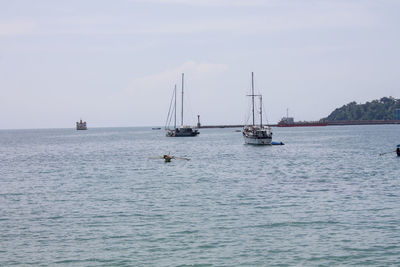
x=231, y=126
x=330, y=123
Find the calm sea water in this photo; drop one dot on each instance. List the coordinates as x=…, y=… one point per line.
x=93, y=198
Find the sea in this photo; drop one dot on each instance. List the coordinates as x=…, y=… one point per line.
x=105, y=197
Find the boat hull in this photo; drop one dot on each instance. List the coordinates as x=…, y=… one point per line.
x=257, y=141
x=186, y=132
x=181, y=134
x=254, y=135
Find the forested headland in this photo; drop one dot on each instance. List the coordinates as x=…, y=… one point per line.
x=382, y=109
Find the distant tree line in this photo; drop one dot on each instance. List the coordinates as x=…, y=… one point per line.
x=382, y=109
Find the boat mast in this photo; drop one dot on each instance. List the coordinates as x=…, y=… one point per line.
x=260, y=111
x=252, y=94
x=182, y=101
x=175, y=109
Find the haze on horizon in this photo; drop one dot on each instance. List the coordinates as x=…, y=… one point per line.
x=115, y=63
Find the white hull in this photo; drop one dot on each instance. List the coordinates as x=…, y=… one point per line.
x=257, y=141
x=255, y=135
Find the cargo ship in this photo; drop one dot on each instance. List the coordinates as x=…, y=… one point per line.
x=289, y=122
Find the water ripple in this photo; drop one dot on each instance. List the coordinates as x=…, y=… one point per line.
x=95, y=199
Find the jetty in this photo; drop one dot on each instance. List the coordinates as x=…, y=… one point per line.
x=230, y=126
x=330, y=123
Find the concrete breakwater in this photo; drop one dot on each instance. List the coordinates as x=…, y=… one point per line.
x=330, y=123
x=230, y=126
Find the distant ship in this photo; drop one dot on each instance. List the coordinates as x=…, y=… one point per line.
x=289, y=122
x=81, y=125
x=256, y=134
x=183, y=130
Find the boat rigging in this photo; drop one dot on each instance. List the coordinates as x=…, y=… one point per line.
x=183, y=130
x=256, y=134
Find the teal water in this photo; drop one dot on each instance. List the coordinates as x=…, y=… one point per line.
x=93, y=198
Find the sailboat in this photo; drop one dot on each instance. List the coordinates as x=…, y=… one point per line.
x=183, y=130
x=256, y=134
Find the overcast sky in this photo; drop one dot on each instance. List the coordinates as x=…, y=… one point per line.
x=115, y=63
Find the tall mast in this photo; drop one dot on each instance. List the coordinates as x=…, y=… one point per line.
x=175, y=108
x=261, y=111
x=252, y=94
x=182, y=102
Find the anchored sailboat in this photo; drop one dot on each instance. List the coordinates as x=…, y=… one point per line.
x=183, y=130
x=256, y=134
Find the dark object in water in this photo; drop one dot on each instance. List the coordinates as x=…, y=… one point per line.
x=167, y=158
x=156, y=128
x=398, y=150
x=277, y=143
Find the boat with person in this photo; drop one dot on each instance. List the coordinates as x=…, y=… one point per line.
x=397, y=150
x=256, y=134
x=182, y=130
x=81, y=125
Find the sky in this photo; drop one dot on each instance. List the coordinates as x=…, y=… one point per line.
x=115, y=63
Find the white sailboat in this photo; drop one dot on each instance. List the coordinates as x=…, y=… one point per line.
x=256, y=134
x=183, y=130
